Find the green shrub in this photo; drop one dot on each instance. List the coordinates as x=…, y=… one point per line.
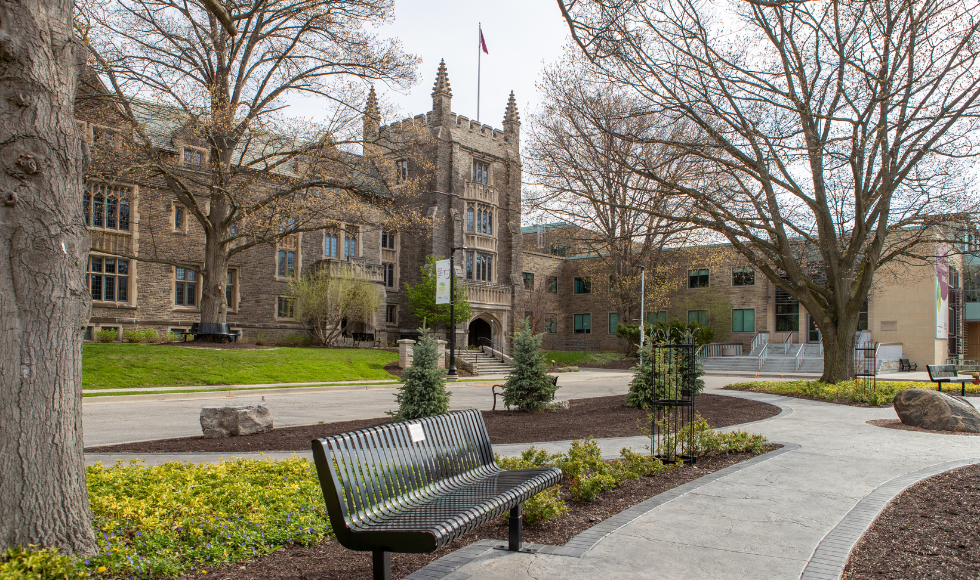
x=170, y=337
x=150, y=335
x=544, y=506
x=636, y=465
x=107, y=335
x=629, y=338
x=587, y=473
x=424, y=392
x=45, y=564
x=849, y=392
x=743, y=442
x=528, y=386
x=133, y=335
x=260, y=338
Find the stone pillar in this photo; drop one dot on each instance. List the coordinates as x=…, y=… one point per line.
x=405, y=353
x=441, y=349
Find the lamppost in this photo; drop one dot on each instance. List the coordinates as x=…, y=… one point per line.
x=451, y=375
x=642, y=319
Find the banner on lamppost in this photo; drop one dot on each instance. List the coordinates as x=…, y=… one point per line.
x=442, y=282
x=942, y=291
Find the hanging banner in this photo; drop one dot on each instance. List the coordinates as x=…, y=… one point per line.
x=442, y=282
x=942, y=292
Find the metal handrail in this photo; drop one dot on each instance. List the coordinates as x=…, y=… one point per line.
x=760, y=339
x=763, y=355
x=788, y=343
x=495, y=347
x=800, y=354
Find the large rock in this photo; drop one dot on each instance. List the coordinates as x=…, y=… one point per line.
x=234, y=421
x=936, y=411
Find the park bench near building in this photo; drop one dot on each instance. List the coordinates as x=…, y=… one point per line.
x=906, y=366
x=415, y=486
x=940, y=374
x=220, y=331
x=500, y=392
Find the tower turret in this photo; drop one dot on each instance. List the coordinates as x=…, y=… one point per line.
x=512, y=119
x=442, y=94
x=372, y=118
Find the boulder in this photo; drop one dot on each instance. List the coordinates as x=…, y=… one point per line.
x=936, y=411
x=234, y=421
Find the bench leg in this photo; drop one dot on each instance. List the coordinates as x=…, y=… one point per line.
x=381, y=560
x=514, y=538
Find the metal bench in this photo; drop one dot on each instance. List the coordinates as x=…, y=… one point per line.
x=906, y=366
x=414, y=487
x=940, y=374
x=211, y=329
x=500, y=393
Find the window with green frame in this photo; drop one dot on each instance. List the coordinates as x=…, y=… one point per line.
x=657, y=317
x=697, y=278
x=743, y=320
x=699, y=316
x=583, y=324
x=613, y=322
x=583, y=286
x=743, y=276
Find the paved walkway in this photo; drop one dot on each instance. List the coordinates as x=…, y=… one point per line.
x=764, y=520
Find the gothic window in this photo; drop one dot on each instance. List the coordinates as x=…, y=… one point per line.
x=185, y=287
x=106, y=207
x=469, y=219
x=350, y=242
x=469, y=265
x=108, y=279
x=230, y=287
x=388, y=269
x=528, y=280
x=330, y=239
x=391, y=314
x=286, y=264
x=285, y=307
x=401, y=171
x=387, y=240
x=553, y=284
x=481, y=172
x=479, y=266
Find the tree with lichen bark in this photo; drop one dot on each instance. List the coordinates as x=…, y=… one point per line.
x=44, y=305
x=203, y=98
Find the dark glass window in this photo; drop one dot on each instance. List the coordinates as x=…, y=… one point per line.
x=469, y=265
x=230, y=290
x=743, y=276
x=613, y=322
x=528, y=280
x=553, y=284
x=287, y=264
x=388, y=269
x=551, y=323
x=285, y=307
x=743, y=320
x=583, y=323
x=582, y=286
x=401, y=171
x=108, y=279
x=185, y=287
x=192, y=157
x=481, y=172
x=330, y=244
x=470, y=224
x=699, y=316
x=388, y=240
x=657, y=317
x=697, y=278
x=787, y=312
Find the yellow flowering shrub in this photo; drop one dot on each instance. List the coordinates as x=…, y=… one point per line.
x=852, y=391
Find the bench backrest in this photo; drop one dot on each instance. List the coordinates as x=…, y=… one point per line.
x=941, y=371
x=213, y=328
x=372, y=471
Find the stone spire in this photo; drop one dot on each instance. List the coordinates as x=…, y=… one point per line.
x=372, y=119
x=512, y=119
x=442, y=95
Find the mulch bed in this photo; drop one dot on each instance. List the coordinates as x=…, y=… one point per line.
x=329, y=560
x=897, y=424
x=931, y=530
x=598, y=417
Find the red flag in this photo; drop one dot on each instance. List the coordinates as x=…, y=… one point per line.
x=483, y=43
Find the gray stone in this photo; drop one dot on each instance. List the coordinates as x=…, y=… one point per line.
x=936, y=411
x=559, y=404
x=234, y=421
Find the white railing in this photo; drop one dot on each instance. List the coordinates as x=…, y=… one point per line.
x=800, y=354
x=763, y=354
x=717, y=349
x=760, y=339
x=788, y=343
x=889, y=351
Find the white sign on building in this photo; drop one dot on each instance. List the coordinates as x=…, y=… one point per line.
x=442, y=282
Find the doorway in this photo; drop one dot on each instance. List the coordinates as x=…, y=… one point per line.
x=812, y=332
x=479, y=328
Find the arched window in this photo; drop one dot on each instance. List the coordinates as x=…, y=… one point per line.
x=124, y=214
x=489, y=222
x=469, y=218
x=98, y=220
x=110, y=214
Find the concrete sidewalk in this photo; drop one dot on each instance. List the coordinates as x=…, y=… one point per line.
x=763, y=521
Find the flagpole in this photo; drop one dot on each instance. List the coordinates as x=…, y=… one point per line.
x=479, y=53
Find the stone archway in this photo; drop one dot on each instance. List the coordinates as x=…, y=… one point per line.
x=479, y=328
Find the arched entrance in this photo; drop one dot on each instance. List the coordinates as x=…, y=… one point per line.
x=479, y=328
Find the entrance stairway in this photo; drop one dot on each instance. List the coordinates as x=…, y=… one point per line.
x=776, y=361
x=483, y=363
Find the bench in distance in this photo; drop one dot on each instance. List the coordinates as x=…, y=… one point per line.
x=415, y=486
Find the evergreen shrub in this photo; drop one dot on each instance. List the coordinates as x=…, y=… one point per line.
x=424, y=393
x=528, y=387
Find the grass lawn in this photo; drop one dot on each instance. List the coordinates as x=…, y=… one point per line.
x=124, y=365
x=845, y=392
x=582, y=359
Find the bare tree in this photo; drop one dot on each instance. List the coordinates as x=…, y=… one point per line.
x=43, y=302
x=223, y=83
x=827, y=133
x=579, y=145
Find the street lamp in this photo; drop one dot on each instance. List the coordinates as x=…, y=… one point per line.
x=451, y=375
x=642, y=319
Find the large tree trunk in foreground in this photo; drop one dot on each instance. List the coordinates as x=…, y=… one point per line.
x=43, y=300
x=838, y=354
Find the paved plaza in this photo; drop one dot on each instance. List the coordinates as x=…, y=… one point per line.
x=764, y=520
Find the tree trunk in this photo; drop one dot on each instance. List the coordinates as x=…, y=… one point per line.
x=44, y=303
x=838, y=353
x=215, y=276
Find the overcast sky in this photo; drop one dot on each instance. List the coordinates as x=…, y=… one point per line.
x=521, y=35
